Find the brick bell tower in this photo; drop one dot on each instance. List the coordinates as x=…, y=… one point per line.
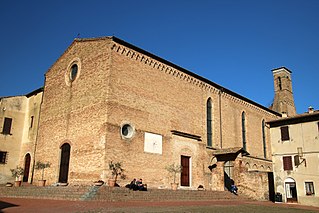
x=284, y=100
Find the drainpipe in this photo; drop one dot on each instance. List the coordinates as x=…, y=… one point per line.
x=36, y=137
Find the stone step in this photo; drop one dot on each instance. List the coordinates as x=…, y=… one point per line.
x=48, y=192
x=105, y=193
x=122, y=194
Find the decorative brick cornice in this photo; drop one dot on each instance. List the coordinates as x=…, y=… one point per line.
x=167, y=67
x=123, y=50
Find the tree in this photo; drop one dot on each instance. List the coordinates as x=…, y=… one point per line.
x=174, y=169
x=117, y=170
x=40, y=165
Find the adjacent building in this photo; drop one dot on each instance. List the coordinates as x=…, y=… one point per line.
x=295, y=145
x=19, y=116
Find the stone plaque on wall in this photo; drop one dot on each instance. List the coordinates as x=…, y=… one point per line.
x=152, y=143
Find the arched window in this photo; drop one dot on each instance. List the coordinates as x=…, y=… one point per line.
x=243, y=129
x=264, y=138
x=209, y=122
x=279, y=83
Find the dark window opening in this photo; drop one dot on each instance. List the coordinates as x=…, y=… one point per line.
x=287, y=160
x=7, y=126
x=284, y=133
x=3, y=157
x=279, y=83
x=31, y=122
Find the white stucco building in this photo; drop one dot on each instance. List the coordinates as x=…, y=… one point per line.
x=295, y=151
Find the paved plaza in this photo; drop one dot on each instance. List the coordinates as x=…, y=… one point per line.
x=48, y=206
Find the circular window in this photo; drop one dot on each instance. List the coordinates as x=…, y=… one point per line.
x=127, y=131
x=73, y=72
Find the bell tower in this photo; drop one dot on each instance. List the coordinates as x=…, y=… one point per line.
x=284, y=100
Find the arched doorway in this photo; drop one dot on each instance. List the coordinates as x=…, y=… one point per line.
x=291, y=190
x=27, y=161
x=64, y=163
x=228, y=174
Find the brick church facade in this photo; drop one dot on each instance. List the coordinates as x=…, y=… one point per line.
x=107, y=100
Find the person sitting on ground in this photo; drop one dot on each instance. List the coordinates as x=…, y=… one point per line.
x=233, y=189
x=140, y=185
x=132, y=185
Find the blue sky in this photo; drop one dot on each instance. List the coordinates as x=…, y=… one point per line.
x=234, y=43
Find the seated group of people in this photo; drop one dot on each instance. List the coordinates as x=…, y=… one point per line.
x=137, y=185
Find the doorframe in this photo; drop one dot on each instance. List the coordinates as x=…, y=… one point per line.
x=189, y=173
x=228, y=166
x=289, y=181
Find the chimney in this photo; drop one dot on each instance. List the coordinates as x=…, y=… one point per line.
x=310, y=109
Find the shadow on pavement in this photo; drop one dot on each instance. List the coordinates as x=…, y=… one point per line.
x=4, y=205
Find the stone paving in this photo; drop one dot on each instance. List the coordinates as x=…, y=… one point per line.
x=49, y=206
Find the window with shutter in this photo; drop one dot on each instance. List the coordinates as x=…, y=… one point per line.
x=287, y=160
x=284, y=133
x=7, y=126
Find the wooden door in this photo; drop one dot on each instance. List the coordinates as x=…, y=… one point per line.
x=185, y=171
x=27, y=161
x=64, y=165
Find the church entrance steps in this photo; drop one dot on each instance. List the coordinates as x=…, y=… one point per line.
x=105, y=193
x=47, y=192
x=123, y=194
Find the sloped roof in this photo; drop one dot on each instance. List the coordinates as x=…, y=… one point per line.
x=34, y=92
x=223, y=89
x=233, y=150
x=301, y=118
x=217, y=86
